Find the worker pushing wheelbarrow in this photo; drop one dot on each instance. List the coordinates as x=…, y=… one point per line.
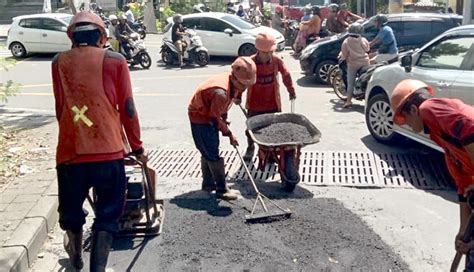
x=263, y=105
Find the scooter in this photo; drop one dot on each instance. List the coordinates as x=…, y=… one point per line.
x=139, y=27
x=194, y=52
x=138, y=52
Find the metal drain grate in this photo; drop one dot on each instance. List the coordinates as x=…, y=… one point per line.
x=352, y=169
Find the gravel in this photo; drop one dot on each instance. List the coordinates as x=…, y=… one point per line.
x=282, y=133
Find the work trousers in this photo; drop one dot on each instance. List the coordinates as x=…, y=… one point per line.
x=206, y=139
x=74, y=182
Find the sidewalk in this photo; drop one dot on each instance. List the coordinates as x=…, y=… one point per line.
x=28, y=203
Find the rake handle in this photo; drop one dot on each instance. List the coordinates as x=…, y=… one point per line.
x=247, y=170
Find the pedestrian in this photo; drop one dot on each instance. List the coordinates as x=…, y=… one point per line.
x=94, y=101
x=354, y=51
x=450, y=124
x=207, y=112
x=264, y=96
x=385, y=37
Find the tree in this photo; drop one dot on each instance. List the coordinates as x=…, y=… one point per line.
x=8, y=88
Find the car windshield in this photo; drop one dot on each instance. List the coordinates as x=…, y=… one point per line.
x=66, y=19
x=238, y=22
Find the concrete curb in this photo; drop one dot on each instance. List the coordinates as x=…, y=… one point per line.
x=21, y=250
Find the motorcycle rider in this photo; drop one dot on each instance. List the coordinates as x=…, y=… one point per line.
x=122, y=32
x=332, y=22
x=450, y=124
x=388, y=49
x=278, y=19
x=207, y=113
x=300, y=41
x=354, y=51
x=130, y=17
x=345, y=15
x=241, y=13
x=114, y=43
x=94, y=106
x=177, y=36
x=255, y=14
x=264, y=95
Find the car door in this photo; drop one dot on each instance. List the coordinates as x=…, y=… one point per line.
x=215, y=39
x=53, y=36
x=416, y=33
x=441, y=64
x=29, y=34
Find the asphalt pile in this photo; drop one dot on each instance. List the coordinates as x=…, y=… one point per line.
x=282, y=133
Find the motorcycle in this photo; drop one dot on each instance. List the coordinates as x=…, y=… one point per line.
x=291, y=31
x=138, y=52
x=139, y=27
x=194, y=52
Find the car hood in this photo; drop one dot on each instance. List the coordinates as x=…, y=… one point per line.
x=261, y=29
x=312, y=46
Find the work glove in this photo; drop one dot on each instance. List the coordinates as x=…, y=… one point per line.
x=233, y=140
x=292, y=96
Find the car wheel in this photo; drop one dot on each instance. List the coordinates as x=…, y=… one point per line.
x=247, y=50
x=18, y=50
x=322, y=70
x=379, y=119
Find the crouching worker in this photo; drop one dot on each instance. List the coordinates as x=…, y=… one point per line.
x=94, y=103
x=264, y=96
x=208, y=113
x=450, y=124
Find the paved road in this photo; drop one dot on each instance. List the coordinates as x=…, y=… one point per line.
x=415, y=224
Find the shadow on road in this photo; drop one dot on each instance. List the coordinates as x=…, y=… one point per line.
x=338, y=103
x=201, y=201
x=20, y=120
x=309, y=81
x=215, y=60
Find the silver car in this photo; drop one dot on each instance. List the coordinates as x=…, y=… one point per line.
x=446, y=63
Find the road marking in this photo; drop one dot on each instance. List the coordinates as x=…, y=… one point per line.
x=142, y=79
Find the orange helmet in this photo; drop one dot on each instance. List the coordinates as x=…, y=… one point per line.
x=245, y=70
x=90, y=20
x=265, y=42
x=402, y=91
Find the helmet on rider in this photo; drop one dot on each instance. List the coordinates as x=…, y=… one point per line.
x=333, y=8
x=316, y=10
x=198, y=8
x=252, y=4
x=343, y=6
x=381, y=19
x=265, y=42
x=87, y=25
x=402, y=92
x=178, y=18
x=245, y=71
x=122, y=18
x=356, y=28
x=113, y=17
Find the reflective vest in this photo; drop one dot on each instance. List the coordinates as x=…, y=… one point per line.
x=264, y=95
x=200, y=104
x=88, y=123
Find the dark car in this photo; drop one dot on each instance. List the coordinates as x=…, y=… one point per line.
x=412, y=30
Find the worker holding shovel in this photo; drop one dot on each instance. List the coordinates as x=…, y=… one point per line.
x=93, y=96
x=264, y=96
x=450, y=124
x=207, y=113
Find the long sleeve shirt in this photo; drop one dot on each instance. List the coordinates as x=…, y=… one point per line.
x=118, y=89
x=354, y=51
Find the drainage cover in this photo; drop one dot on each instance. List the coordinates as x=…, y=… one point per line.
x=351, y=169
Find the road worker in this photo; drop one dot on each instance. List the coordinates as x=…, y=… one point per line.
x=208, y=115
x=94, y=106
x=264, y=96
x=450, y=124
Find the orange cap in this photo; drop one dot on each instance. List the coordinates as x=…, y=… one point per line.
x=265, y=42
x=402, y=91
x=245, y=70
x=85, y=17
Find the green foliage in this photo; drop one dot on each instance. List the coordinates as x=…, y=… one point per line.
x=158, y=24
x=267, y=11
x=137, y=10
x=8, y=88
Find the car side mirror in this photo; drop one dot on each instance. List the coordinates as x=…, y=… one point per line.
x=228, y=31
x=64, y=29
x=406, y=63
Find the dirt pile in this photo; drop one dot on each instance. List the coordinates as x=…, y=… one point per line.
x=282, y=133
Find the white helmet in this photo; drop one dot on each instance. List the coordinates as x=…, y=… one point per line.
x=178, y=18
x=113, y=17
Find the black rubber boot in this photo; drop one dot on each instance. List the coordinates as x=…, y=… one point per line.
x=73, y=245
x=101, y=243
x=208, y=183
x=218, y=173
x=248, y=156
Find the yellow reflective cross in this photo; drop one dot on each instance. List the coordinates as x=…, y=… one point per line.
x=80, y=115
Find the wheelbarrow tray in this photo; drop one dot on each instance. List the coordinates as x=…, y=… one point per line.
x=257, y=122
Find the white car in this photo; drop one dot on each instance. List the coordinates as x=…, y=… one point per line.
x=446, y=64
x=39, y=33
x=225, y=34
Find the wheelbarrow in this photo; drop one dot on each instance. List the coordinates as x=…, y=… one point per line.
x=143, y=214
x=285, y=154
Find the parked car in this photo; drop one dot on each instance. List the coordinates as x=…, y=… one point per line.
x=39, y=33
x=225, y=34
x=446, y=64
x=412, y=30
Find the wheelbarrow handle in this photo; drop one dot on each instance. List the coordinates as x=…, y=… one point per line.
x=292, y=101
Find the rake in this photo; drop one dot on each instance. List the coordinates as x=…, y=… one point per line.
x=264, y=216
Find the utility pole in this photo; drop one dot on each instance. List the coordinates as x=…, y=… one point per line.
x=467, y=12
